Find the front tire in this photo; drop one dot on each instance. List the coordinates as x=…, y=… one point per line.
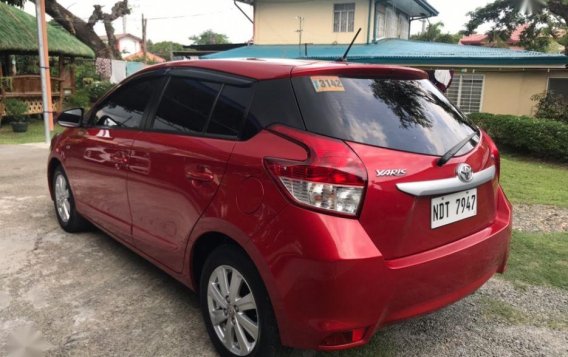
x=67, y=216
x=236, y=307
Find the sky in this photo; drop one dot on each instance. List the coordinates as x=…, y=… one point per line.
x=177, y=20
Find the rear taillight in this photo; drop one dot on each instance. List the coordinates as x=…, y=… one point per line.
x=332, y=179
x=494, y=154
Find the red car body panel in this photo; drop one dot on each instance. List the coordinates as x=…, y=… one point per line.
x=95, y=160
x=333, y=286
x=161, y=193
x=172, y=179
x=401, y=233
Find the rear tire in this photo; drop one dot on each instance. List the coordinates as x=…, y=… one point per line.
x=67, y=216
x=233, y=294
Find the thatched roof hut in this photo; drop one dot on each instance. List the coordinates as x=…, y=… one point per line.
x=18, y=35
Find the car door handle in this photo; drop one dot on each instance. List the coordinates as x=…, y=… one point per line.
x=120, y=160
x=199, y=176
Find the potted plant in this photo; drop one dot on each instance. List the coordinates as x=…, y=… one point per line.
x=16, y=109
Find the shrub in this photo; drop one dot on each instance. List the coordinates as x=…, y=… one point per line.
x=78, y=100
x=85, y=69
x=16, y=109
x=98, y=89
x=6, y=84
x=546, y=139
x=551, y=106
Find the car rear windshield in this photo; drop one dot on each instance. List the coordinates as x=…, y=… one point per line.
x=406, y=115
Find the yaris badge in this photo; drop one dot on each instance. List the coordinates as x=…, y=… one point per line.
x=391, y=172
x=464, y=172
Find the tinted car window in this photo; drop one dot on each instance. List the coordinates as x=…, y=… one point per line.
x=229, y=110
x=273, y=102
x=125, y=107
x=406, y=115
x=185, y=105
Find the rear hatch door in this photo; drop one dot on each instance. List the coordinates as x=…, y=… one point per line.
x=400, y=128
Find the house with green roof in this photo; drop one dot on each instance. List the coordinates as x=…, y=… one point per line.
x=485, y=79
x=19, y=61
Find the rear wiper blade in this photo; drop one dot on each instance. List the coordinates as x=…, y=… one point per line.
x=447, y=156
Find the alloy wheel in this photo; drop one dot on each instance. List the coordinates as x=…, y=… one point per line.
x=62, y=195
x=233, y=310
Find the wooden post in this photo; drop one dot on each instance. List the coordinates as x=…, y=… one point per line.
x=61, y=82
x=72, y=75
x=60, y=65
x=47, y=99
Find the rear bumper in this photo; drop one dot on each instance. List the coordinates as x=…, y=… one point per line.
x=324, y=279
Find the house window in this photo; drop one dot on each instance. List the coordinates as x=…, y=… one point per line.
x=558, y=86
x=403, y=26
x=390, y=22
x=343, y=17
x=466, y=92
x=380, y=21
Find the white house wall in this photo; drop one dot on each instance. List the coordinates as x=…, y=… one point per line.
x=277, y=22
x=128, y=46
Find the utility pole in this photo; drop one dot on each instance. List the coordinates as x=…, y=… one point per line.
x=44, y=70
x=299, y=31
x=144, y=23
x=124, y=24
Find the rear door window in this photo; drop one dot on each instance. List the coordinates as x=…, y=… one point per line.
x=273, y=103
x=406, y=115
x=230, y=108
x=185, y=105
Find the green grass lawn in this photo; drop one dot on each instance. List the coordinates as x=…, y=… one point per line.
x=531, y=181
x=539, y=259
x=35, y=133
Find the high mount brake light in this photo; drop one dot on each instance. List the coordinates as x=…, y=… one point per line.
x=333, y=178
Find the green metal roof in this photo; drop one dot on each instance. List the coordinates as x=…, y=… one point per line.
x=18, y=35
x=403, y=52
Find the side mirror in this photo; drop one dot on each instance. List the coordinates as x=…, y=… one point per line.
x=71, y=118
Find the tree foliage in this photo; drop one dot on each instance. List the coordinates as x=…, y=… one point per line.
x=434, y=33
x=209, y=37
x=164, y=48
x=550, y=105
x=547, y=22
x=18, y=3
x=84, y=31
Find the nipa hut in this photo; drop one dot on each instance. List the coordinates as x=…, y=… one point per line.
x=19, y=61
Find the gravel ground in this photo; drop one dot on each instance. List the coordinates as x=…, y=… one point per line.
x=87, y=295
x=540, y=218
x=498, y=320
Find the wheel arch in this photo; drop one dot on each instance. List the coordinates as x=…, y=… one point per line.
x=212, y=233
x=202, y=248
x=53, y=164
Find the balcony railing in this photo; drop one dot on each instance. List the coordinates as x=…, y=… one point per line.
x=28, y=89
x=27, y=86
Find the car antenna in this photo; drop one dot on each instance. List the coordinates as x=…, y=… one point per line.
x=344, y=58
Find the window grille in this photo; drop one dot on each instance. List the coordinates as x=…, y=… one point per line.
x=343, y=17
x=466, y=92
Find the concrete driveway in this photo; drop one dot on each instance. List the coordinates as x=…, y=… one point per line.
x=87, y=295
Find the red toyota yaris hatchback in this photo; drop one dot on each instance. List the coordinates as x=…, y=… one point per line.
x=308, y=203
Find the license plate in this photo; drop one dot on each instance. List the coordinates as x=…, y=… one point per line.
x=452, y=208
